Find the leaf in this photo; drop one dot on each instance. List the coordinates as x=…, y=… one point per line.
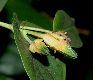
x=2, y=4
x=63, y=22
x=55, y=70
x=22, y=46
x=26, y=23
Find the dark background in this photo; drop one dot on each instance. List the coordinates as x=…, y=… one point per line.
x=82, y=11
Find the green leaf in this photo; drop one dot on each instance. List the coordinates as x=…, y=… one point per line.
x=63, y=22
x=26, y=23
x=22, y=46
x=2, y=4
x=55, y=70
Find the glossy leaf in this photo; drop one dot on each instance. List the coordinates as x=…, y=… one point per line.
x=55, y=70
x=63, y=22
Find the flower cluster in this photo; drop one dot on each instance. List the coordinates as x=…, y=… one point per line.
x=57, y=41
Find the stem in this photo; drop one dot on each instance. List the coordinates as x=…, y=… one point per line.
x=10, y=27
x=25, y=36
x=34, y=29
x=5, y=25
x=27, y=30
x=36, y=34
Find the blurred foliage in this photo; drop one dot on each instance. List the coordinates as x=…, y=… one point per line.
x=2, y=4
x=26, y=12
x=10, y=62
x=2, y=77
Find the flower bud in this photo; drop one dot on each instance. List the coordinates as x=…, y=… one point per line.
x=39, y=47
